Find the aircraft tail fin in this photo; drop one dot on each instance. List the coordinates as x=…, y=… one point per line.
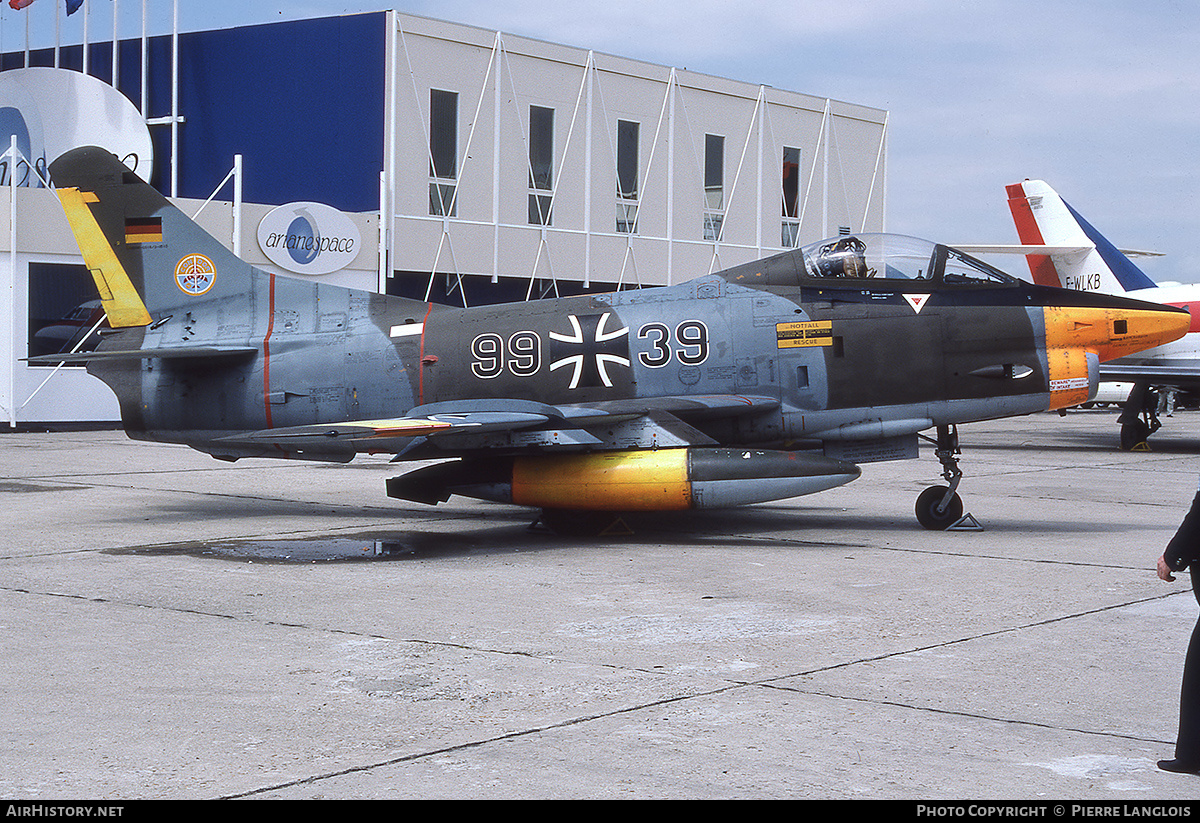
x=1092, y=263
x=146, y=256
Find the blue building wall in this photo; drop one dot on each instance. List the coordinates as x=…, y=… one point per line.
x=302, y=101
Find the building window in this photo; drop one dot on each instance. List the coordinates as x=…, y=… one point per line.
x=714, y=186
x=789, y=235
x=541, y=164
x=63, y=309
x=443, y=152
x=628, y=146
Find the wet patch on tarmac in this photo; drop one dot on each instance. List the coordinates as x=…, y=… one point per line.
x=326, y=549
x=15, y=487
x=735, y=529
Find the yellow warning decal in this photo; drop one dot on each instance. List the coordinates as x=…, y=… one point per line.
x=802, y=334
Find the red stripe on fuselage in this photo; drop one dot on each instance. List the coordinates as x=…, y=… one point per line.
x=421, y=359
x=267, y=351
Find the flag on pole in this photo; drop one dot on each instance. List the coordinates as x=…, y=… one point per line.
x=19, y=4
x=72, y=6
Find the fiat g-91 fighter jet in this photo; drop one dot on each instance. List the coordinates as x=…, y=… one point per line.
x=765, y=381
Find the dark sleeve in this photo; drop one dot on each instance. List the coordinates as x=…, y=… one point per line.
x=1184, y=548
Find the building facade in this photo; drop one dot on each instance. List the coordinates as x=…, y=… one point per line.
x=564, y=168
x=508, y=168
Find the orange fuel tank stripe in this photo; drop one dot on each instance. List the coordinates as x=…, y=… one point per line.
x=614, y=481
x=1069, y=385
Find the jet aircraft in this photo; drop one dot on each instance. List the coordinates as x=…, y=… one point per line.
x=1064, y=249
x=761, y=382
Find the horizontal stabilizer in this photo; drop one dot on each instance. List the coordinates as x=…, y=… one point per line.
x=994, y=248
x=1001, y=248
x=167, y=353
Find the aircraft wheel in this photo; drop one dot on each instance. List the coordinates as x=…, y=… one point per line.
x=927, y=509
x=1133, y=435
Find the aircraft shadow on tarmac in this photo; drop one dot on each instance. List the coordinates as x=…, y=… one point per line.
x=503, y=530
x=1077, y=441
x=848, y=527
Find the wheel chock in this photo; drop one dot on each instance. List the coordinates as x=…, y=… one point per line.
x=966, y=523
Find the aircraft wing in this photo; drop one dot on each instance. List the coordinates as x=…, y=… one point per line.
x=1185, y=375
x=702, y=406
x=483, y=424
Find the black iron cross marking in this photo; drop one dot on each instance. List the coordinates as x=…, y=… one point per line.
x=597, y=350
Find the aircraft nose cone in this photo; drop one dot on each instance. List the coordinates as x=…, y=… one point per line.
x=1114, y=331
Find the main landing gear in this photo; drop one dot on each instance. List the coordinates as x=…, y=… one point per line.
x=1139, y=418
x=939, y=507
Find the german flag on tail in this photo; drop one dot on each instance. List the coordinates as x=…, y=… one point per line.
x=143, y=230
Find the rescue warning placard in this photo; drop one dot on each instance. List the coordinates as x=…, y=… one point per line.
x=804, y=333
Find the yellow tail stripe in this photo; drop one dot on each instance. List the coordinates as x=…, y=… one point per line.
x=120, y=299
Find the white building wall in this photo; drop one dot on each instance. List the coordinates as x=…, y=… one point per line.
x=499, y=76
x=42, y=236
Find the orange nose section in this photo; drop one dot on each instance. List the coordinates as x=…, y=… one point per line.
x=1113, y=332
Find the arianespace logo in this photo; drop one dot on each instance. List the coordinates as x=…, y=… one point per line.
x=308, y=238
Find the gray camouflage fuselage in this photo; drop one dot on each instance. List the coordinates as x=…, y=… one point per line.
x=329, y=354
x=635, y=399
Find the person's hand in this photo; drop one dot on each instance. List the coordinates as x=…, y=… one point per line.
x=1164, y=571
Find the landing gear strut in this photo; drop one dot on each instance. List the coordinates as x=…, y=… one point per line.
x=940, y=507
x=1139, y=417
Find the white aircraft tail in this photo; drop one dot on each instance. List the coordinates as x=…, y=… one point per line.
x=1077, y=256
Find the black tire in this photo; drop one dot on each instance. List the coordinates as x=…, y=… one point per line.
x=927, y=509
x=1133, y=435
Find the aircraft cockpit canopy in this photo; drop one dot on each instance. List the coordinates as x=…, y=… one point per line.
x=897, y=257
